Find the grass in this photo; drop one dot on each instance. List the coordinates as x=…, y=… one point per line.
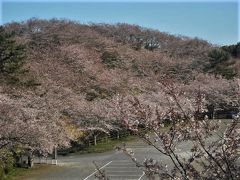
x=27, y=173
x=112, y=144
x=107, y=145
x=17, y=172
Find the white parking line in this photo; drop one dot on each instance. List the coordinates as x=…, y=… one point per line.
x=96, y=170
x=141, y=176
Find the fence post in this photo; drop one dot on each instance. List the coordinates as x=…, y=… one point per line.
x=95, y=140
x=118, y=134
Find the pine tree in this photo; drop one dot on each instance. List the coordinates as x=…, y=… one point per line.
x=11, y=54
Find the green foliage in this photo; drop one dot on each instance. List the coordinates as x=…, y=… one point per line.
x=12, y=54
x=31, y=83
x=55, y=39
x=24, y=173
x=137, y=69
x=6, y=162
x=107, y=144
x=225, y=71
x=221, y=63
x=111, y=59
x=233, y=50
x=136, y=91
x=2, y=174
x=99, y=92
x=11, y=61
x=218, y=56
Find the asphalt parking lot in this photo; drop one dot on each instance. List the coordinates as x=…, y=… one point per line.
x=116, y=164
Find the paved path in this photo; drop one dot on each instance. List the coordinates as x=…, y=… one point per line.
x=116, y=165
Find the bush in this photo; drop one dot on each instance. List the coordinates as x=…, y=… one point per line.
x=6, y=163
x=98, y=92
x=31, y=83
x=221, y=63
x=218, y=56
x=234, y=50
x=2, y=173
x=111, y=59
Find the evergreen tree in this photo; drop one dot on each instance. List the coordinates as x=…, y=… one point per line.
x=11, y=53
x=221, y=63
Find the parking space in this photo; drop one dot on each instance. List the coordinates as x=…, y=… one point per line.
x=120, y=168
x=123, y=169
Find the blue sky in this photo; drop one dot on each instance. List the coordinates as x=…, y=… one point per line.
x=215, y=21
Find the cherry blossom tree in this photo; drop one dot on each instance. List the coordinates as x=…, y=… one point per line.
x=220, y=93
x=212, y=149
x=33, y=124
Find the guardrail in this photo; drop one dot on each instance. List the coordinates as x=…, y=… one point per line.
x=45, y=160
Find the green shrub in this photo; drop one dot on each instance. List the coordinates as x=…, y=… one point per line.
x=6, y=163
x=91, y=95
x=218, y=56
x=136, y=91
x=234, y=50
x=137, y=69
x=98, y=92
x=2, y=173
x=31, y=83
x=221, y=63
x=111, y=59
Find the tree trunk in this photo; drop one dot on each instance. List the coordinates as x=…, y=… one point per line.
x=55, y=153
x=30, y=160
x=211, y=111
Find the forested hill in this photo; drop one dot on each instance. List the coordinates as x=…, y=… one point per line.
x=52, y=70
x=97, y=61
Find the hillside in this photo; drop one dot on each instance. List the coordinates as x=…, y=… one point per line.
x=72, y=61
x=86, y=53
x=71, y=69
